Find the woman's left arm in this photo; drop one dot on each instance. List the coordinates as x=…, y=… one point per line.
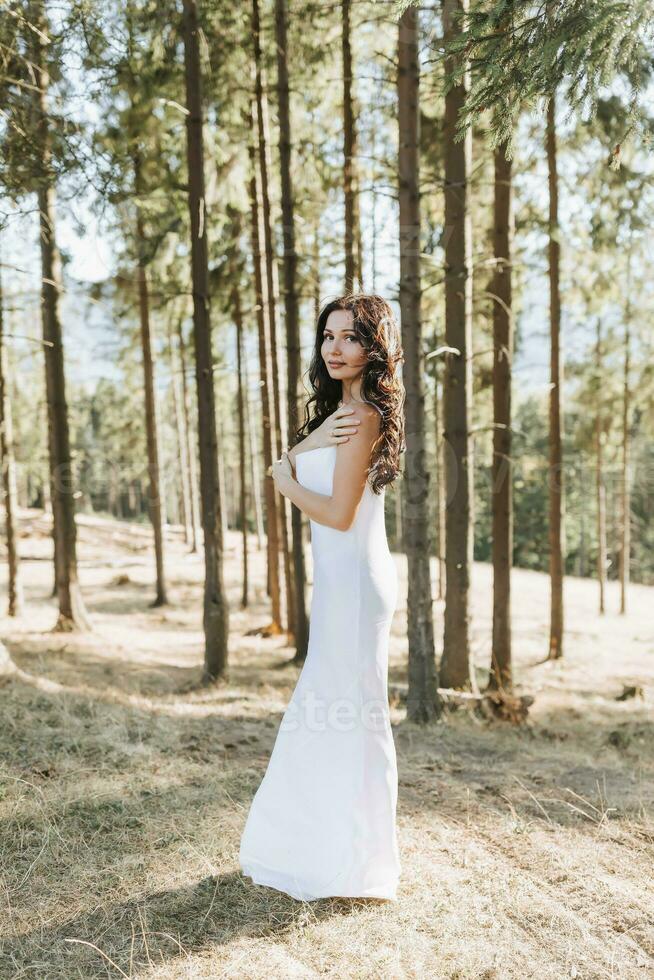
x=337, y=510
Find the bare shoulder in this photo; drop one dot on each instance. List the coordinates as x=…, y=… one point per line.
x=357, y=448
x=369, y=414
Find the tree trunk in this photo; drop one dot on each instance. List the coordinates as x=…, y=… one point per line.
x=556, y=467
x=46, y=483
x=301, y=619
x=216, y=610
x=72, y=612
x=439, y=497
x=456, y=669
x=222, y=475
x=189, y=439
x=253, y=457
x=422, y=700
x=599, y=474
x=278, y=419
x=502, y=502
x=14, y=583
x=625, y=489
x=353, y=271
x=182, y=447
x=374, y=231
x=316, y=271
x=154, y=489
x=266, y=387
x=583, y=505
x=49, y=492
x=242, y=454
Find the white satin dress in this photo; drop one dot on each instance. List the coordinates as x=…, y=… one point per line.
x=323, y=819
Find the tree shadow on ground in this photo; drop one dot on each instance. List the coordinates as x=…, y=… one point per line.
x=81, y=665
x=164, y=925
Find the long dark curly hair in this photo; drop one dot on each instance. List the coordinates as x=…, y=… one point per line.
x=377, y=329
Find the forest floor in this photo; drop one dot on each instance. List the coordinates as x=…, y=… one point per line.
x=527, y=852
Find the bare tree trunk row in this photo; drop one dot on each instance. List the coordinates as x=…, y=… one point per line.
x=439, y=475
x=14, y=584
x=625, y=488
x=152, y=441
x=502, y=489
x=266, y=387
x=555, y=460
x=353, y=259
x=422, y=703
x=216, y=610
x=189, y=438
x=300, y=620
x=599, y=477
x=455, y=669
x=72, y=612
x=238, y=321
x=184, y=463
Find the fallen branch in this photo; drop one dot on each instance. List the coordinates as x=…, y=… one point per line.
x=498, y=705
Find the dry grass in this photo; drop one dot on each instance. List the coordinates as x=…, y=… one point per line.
x=124, y=788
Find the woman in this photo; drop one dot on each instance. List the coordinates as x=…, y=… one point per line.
x=322, y=822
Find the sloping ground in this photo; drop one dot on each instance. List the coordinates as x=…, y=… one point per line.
x=124, y=788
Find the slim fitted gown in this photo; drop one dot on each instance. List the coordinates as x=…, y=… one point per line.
x=323, y=819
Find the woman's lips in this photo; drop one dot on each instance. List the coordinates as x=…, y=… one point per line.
x=336, y=363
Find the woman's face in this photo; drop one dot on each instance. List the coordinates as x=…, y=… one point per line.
x=341, y=351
